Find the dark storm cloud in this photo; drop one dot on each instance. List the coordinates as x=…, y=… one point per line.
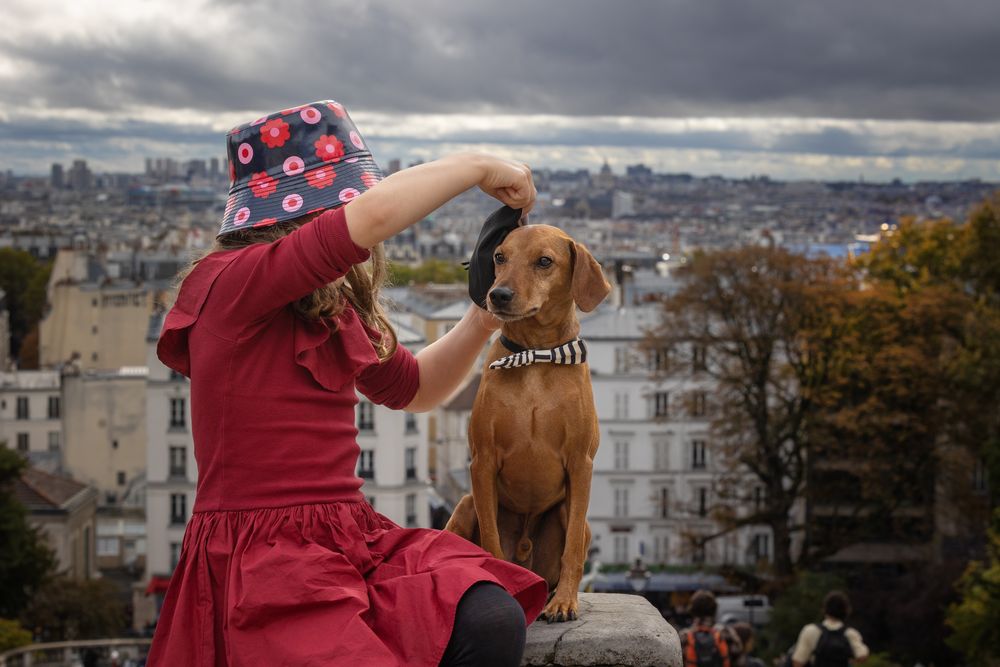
x=891, y=59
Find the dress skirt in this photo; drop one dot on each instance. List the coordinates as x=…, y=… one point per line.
x=321, y=584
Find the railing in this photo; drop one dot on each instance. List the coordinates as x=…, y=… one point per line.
x=70, y=654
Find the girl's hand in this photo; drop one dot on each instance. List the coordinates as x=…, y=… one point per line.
x=510, y=182
x=484, y=319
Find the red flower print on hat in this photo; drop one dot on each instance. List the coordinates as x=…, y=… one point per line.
x=258, y=121
x=291, y=110
x=337, y=109
x=241, y=216
x=232, y=172
x=356, y=139
x=347, y=194
x=265, y=222
x=244, y=153
x=322, y=177
x=292, y=202
x=310, y=115
x=230, y=203
x=274, y=133
x=329, y=148
x=262, y=185
x=369, y=179
x=294, y=166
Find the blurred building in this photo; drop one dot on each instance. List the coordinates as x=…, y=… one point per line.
x=31, y=415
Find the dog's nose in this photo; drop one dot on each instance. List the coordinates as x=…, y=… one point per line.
x=501, y=296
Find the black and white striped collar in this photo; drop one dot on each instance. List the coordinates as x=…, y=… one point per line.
x=572, y=352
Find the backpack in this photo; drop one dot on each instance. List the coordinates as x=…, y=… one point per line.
x=704, y=647
x=833, y=648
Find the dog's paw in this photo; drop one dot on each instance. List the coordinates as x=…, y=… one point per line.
x=561, y=608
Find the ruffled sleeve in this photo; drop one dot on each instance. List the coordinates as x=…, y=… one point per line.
x=334, y=352
x=172, y=347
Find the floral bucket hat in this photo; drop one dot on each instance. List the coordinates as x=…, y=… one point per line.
x=294, y=162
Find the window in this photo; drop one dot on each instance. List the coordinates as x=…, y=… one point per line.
x=22, y=408
x=93, y=329
x=114, y=444
x=759, y=498
x=760, y=547
x=621, y=405
x=366, y=416
x=366, y=464
x=93, y=356
x=699, y=355
x=177, y=409
x=175, y=554
x=663, y=503
x=411, y=510
x=697, y=454
x=621, y=549
x=121, y=478
x=411, y=463
x=658, y=360
x=661, y=404
x=54, y=407
x=178, y=508
x=175, y=376
x=699, y=404
x=107, y=546
x=22, y=443
x=54, y=441
x=661, y=455
x=178, y=462
x=661, y=549
x=698, y=551
x=702, y=501
x=411, y=423
x=980, y=478
x=621, y=455
x=621, y=502
x=621, y=360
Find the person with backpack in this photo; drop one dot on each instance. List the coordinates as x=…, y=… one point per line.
x=747, y=637
x=705, y=644
x=830, y=643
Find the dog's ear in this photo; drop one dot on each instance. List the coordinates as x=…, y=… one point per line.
x=589, y=286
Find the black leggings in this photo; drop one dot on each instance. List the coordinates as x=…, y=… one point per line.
x=489, y=630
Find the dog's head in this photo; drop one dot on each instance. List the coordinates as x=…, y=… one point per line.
x=539, y=265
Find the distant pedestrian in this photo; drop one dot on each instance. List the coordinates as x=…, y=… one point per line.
x=830, y=643
x=705, y=644
x=747, y=637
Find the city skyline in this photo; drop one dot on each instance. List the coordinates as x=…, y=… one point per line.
x=901, y=90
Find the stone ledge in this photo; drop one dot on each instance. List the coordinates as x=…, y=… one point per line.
x=614, y=630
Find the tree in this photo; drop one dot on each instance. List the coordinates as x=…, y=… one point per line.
x=770, y=322
x=436, y=271
x=24, y=279
x=25, y=559
x=12, y=635
x=976, y=619
x=68, y=609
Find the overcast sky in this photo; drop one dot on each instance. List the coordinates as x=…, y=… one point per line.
x=795, y=89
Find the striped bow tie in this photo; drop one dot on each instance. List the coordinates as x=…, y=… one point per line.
x=573, y=352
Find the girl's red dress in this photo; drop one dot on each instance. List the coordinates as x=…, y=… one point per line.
x=283, y=562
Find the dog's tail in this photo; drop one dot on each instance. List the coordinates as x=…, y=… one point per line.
x=524, y=545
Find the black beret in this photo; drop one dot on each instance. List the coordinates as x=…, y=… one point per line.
x=481, y=269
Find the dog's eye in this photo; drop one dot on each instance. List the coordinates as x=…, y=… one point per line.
x=499, y=258
x=545, y=262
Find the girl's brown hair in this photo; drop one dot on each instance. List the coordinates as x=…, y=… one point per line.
x=360, y=289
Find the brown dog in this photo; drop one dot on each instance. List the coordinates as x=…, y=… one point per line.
x=534, y=432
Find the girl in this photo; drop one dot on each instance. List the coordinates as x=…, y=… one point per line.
x=283, y=562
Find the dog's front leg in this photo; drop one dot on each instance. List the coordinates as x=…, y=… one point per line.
x=564, y=605
x=483, y=473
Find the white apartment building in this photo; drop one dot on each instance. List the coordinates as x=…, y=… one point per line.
x=654, y=473
x=31, y=413
x=393, y=460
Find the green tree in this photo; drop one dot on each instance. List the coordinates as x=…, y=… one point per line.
x=25, y=559
x=12, y=635
x=437, y=271
x=24, y=279
x=976, y=618
x=69, y=609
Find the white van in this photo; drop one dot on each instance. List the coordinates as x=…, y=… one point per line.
x=752, y=609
